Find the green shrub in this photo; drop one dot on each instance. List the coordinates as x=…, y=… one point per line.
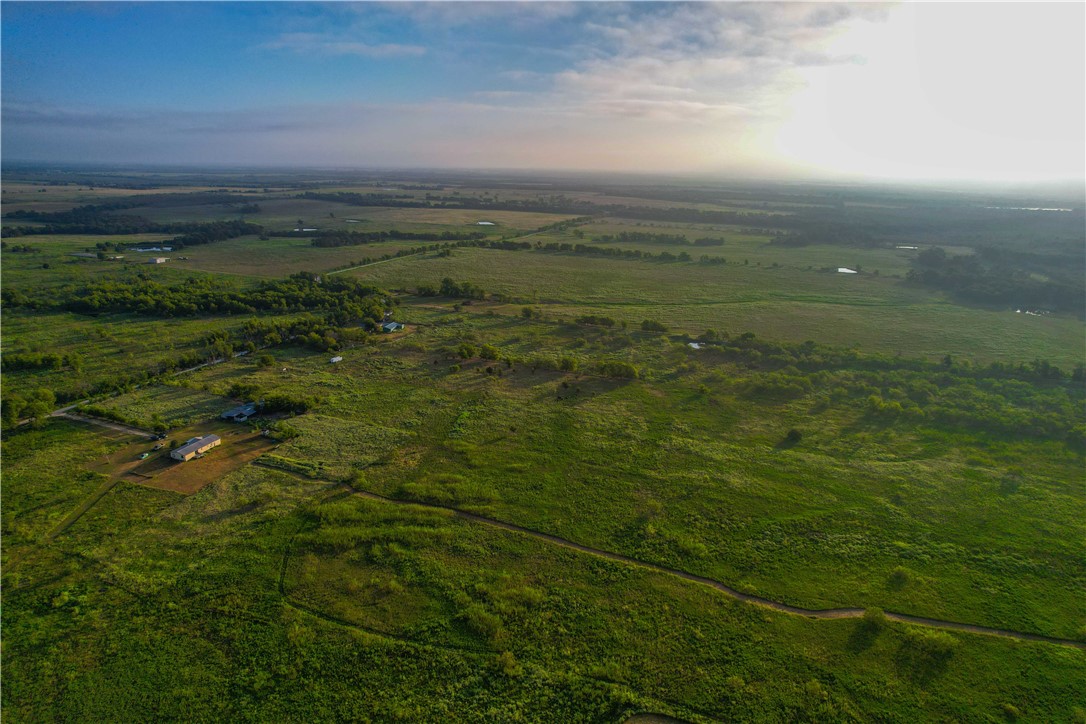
x=874, y=620
x=651, y=325
x=900, y=577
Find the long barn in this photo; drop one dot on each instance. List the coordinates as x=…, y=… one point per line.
x=195, y=446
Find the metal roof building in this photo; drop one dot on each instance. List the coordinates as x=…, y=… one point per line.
x=194, y=447
x=240, y=413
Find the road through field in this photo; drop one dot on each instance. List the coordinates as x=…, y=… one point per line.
x=828, y=613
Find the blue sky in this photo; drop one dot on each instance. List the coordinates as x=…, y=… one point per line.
x=767, y=89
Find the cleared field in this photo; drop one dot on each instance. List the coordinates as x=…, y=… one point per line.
x=279, y=257
x=284, y=213
x=517, y=220
x=741, y=247
x=743, y=206
x=19, y=196
x=864, y=311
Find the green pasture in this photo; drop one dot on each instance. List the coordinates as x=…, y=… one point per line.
x=741, y=247
x=104, y=348
x=280, y=256
x=45, y=479
x=170, y=406
x=279, y=213
x=504, y=221
x=872, y=313
x=25, y=269
x=686, y=469
x=422, y=576
x=811, y=475
x=23, y=196
x=269, y=596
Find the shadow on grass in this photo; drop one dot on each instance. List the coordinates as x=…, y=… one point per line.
x=924, y=656
x=863, y=636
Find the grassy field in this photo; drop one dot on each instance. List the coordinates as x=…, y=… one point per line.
x=26, y=268
x=861, y=311
x=847, y=452
x=274, y=566
x=671, y=473
x=741, y=247
x=279, y=257
x=19, y=195
x=283, y=213
x=172, y=406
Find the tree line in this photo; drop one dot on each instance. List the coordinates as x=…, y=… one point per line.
x=342, y=298
x=336, y=238
x=1002, y=277
x=641, y=237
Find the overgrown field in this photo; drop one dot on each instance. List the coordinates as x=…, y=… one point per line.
x=498, y=513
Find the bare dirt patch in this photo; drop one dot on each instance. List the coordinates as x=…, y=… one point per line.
x=239, y=446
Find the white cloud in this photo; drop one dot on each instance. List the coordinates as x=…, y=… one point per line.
x=323, y=44
x=757, y=88
x=460, y=13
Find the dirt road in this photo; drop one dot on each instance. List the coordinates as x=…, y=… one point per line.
x=728, y=590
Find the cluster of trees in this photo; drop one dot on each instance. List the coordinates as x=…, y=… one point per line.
x=322, y=333
x=1034, y=399
x=564, y=363
x=335, y=238
x=14, y=361
x=343, y=298
x=453, y=289
x=841, y=234
x=369, y=199
x=287, y=403
x=214, y=231
x=611, y=252
x=24, y=248
x=617, y=368
x=315, y=332
x=596, y=320
x=999, y=276
x=90, y=215
x=651, y=325
x=34, y=405
x=641, y=237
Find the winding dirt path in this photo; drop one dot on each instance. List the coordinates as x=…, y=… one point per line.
x=825, y=613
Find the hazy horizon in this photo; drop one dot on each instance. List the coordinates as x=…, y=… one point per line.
x=932, y=93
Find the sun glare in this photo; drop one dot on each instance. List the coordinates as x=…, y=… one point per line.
x=933, y=93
